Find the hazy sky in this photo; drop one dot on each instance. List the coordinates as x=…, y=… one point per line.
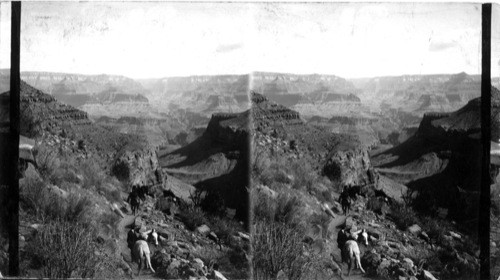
x=148, y=40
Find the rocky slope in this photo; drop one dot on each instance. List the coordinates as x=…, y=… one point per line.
x=300, y=169
x=281, y=133
x=218, y=160
x=70, y=129
x=442, y=159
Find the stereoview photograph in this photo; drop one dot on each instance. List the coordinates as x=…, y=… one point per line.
x=181, y=140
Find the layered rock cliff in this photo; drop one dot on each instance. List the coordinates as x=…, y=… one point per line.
x=218, y=160
x=65, y=128
x=46, y=113
x=443, y=159
x=280, y=132
x=421, y=93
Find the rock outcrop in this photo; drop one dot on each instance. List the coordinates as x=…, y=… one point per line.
x=47, y=112
x=218, y=160
x=442, y=160
x=351, y=167
x=139, y=167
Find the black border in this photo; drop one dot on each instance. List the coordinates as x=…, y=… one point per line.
x=485, y=199
x=12, y=166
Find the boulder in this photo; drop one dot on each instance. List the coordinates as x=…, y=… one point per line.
x=218, y=275
x=244, y=236
x=455, y=235
x=162, y=233
x=203, y=229
x=174, y=265
x=428, y=276
x=414, y=229
x=424, y=236
x=374, y=233
x=407, y=264
x=58, y=191
x=212, y=236
x=267, y=191
x=117, y=210
x=337, y=208
x=199, y=263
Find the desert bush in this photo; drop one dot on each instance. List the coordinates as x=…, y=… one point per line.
x=65, y=249
x=197, y=196
x=225, y=228
x=121, y=170
x=111, y=189
x=75, y=208
x=92, y=174
x=322, y=220
x=47, y=162
x=109, y=222
x=304, y=175
x=45, y=205
x=436, y=229
x=403, y=215
x=193, y=217
x=285, y=208
x=33, y=194
x=278, y=246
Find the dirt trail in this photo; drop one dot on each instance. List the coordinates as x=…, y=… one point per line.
x=125, y=251
x=356, y=273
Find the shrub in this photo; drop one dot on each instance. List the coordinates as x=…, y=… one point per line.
x=92, y=174
x=278, y=246
x=34, y=195
x=304, y=175
x=45, y=205
x=47, y=162
x=285, y=208
x=64, y=249
x=225, y=229
x=322, y=220
x=121, y=171
x=109, y=221
x=403, y=216
x=197, y=196
x=193, y=217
